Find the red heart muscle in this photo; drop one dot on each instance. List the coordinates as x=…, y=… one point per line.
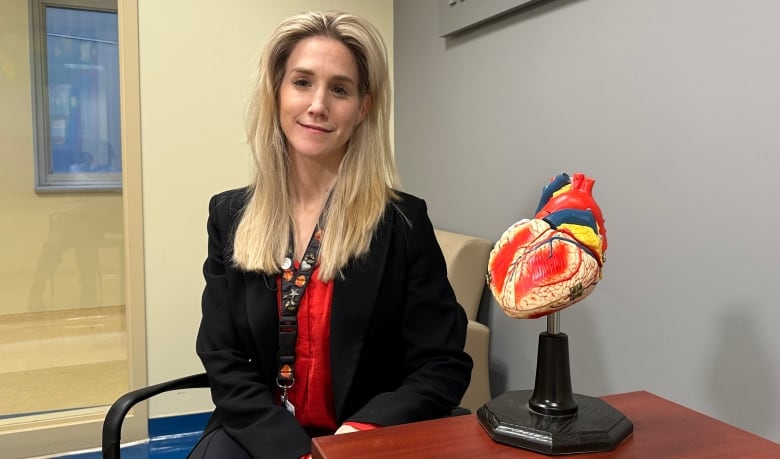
x=535, y=270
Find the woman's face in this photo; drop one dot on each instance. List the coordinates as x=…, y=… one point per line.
x=319, y=104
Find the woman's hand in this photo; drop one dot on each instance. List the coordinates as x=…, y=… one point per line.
x=345, y=429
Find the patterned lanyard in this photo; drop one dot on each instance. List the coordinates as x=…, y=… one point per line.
x=294, y=283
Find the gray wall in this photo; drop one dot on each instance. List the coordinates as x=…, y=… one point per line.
x=673, y=106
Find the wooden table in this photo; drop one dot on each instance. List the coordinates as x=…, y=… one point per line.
x=662, y=429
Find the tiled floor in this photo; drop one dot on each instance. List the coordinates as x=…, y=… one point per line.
x=47, y=359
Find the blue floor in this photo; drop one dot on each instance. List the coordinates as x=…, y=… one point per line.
x=169, y=438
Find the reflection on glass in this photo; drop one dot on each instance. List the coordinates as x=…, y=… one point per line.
x=64, y=346
x=83, y=83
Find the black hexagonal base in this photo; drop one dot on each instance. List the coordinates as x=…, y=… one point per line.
x=596, y=426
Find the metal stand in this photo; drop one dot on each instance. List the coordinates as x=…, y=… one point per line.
x=552, y=420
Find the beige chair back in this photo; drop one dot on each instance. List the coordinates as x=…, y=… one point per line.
x=466, y=258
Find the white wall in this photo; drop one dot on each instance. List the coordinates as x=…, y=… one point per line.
x=673, y=107
x=197, y=62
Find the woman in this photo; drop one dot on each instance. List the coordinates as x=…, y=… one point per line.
x=327, y=307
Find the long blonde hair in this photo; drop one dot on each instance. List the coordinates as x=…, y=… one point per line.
x=367, y=174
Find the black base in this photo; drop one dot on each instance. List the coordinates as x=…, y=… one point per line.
x=595, y=426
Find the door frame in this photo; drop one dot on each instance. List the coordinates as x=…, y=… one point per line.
x=80, y=429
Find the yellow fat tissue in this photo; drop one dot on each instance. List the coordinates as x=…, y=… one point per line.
x=586, y=236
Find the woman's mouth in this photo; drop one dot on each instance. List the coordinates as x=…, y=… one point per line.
x=314, y=127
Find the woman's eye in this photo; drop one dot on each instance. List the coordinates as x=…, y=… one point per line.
x=301, y=82
x=340, y=90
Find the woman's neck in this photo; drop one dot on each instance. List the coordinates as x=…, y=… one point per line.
x=310, y=186
x=308, y=198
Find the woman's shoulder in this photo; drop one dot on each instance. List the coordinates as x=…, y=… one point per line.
x=229, y=203
x=233, y=197
x=407, y=201
x=406, y=210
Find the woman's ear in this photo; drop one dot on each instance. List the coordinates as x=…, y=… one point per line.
x=365, y=106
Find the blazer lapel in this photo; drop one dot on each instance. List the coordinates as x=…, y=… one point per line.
x=354, y=300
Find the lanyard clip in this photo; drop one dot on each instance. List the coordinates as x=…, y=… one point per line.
x=285, y=383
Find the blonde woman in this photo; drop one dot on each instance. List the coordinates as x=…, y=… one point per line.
x=327, y=307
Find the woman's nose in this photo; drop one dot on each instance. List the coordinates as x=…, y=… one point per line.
x=318, y=103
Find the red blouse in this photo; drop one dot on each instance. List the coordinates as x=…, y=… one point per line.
x=312, y=393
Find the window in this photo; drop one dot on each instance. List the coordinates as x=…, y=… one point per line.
x=76, y=95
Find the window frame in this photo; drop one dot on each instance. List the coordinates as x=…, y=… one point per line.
x=46, y=181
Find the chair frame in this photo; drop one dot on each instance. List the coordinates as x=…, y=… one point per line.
x=112, y=425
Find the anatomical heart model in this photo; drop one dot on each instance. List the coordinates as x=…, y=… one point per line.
x=543, y=265
x=536, y=269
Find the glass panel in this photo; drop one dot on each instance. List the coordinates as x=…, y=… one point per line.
x=82, y=91
x=62, y=321
x=62, y=314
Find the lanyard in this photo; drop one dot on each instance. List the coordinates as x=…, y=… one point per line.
x=294, y=282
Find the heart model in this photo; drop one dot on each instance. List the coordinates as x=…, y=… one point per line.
x=543, y=265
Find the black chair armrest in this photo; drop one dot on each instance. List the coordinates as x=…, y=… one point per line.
x=112, y=425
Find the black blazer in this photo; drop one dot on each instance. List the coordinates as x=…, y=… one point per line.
x=397, y=334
